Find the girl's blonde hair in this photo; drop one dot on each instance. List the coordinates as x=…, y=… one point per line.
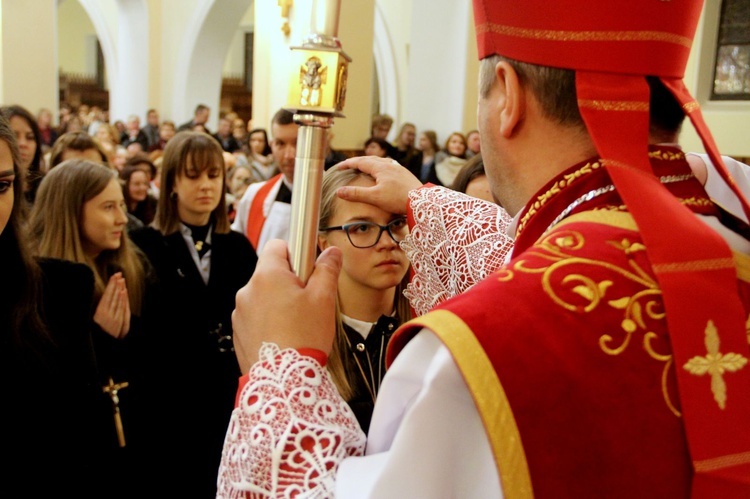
x=56, y=232
x=339, y=362
x=202, y=151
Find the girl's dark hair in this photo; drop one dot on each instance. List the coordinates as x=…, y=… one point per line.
x=203, y=152
x=384, y=145
x=76, y=141
x=473, y=168
x=21, y=294
x=35, y=171
x=144, y=161
x=267, y=146
x=145, y=211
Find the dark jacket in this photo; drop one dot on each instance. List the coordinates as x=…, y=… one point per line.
x=200, y=371
x=56, y=419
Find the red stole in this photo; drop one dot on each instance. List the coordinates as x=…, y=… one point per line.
x=575, y=331
x=255, y=216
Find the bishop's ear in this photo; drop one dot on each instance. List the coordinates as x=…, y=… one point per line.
x=512, y=95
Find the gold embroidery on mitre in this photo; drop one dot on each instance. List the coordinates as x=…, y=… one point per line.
x=613, y=105
x=691, y=106
x=585, y=36
x=715, y=364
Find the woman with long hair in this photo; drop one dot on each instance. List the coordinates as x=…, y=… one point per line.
x=370, y=302
x=29, y=140
x=136, y=184
x=201, y=265
x=56, y=417
x=79, y=216
x=450, y=160
x=260, y=157
x=424, y=165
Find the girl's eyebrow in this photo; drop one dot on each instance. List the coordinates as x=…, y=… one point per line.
x=6, y=173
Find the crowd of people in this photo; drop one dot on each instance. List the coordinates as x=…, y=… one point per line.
x=149, y=297
x=142, y=218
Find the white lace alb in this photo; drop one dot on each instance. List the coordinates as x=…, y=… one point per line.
x=457, y=240
x=289, y=431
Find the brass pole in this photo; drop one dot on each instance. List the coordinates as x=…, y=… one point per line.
x=316, y=95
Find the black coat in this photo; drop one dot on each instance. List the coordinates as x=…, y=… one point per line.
x=58, y=424
x=198, y=369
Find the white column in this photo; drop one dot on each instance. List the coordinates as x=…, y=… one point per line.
x=437, y=80
x=129, y=94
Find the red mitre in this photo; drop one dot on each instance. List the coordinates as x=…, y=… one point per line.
x=612, y=45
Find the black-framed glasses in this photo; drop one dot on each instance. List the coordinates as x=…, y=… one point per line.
x=367, y=234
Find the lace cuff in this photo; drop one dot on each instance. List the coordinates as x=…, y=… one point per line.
x=455, y=242
x=289, y=432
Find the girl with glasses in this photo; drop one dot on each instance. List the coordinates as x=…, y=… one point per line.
x=371, y=304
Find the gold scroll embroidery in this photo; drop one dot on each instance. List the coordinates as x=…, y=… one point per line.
x=558, y=250
x=613, y=105
x=585, y=36
x=715, y=364
x=542, y=199
x=691, y=106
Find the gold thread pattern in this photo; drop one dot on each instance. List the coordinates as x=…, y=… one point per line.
x=715, y=364
x=665, y=155
x=614, y=105
x=695, y=265
x=590, y=167
x=697, y=202
x=555, y=189
x=489, y=396
x=614, y=162
x=690, y=107
x=585, y=36
x=743, y=268
x=558, y=252
x=722, y=462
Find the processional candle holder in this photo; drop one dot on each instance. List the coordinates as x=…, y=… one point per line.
x=317, y=92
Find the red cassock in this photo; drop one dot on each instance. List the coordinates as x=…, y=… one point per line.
x=568, y=356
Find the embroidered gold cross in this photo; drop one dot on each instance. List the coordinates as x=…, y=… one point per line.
x=715, y=364
x=112, y=390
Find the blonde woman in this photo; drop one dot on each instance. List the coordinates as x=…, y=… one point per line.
x=370, y=304
x=79, y=216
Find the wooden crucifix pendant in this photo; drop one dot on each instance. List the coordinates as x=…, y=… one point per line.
x=112, y=389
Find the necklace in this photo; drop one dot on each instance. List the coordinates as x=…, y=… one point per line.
x=370, y=383
x=667, y=179
x=200, y=233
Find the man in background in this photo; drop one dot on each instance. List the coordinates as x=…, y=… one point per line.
x=200, y=117
x=265, y=210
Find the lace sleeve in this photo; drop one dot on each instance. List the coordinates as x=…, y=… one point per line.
x=289, y=431
x=456, y=241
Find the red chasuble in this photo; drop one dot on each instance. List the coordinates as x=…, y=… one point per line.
x=568, y=357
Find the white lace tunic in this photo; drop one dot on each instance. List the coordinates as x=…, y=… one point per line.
x=292, y=434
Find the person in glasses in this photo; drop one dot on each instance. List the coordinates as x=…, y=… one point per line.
x=371, y=303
